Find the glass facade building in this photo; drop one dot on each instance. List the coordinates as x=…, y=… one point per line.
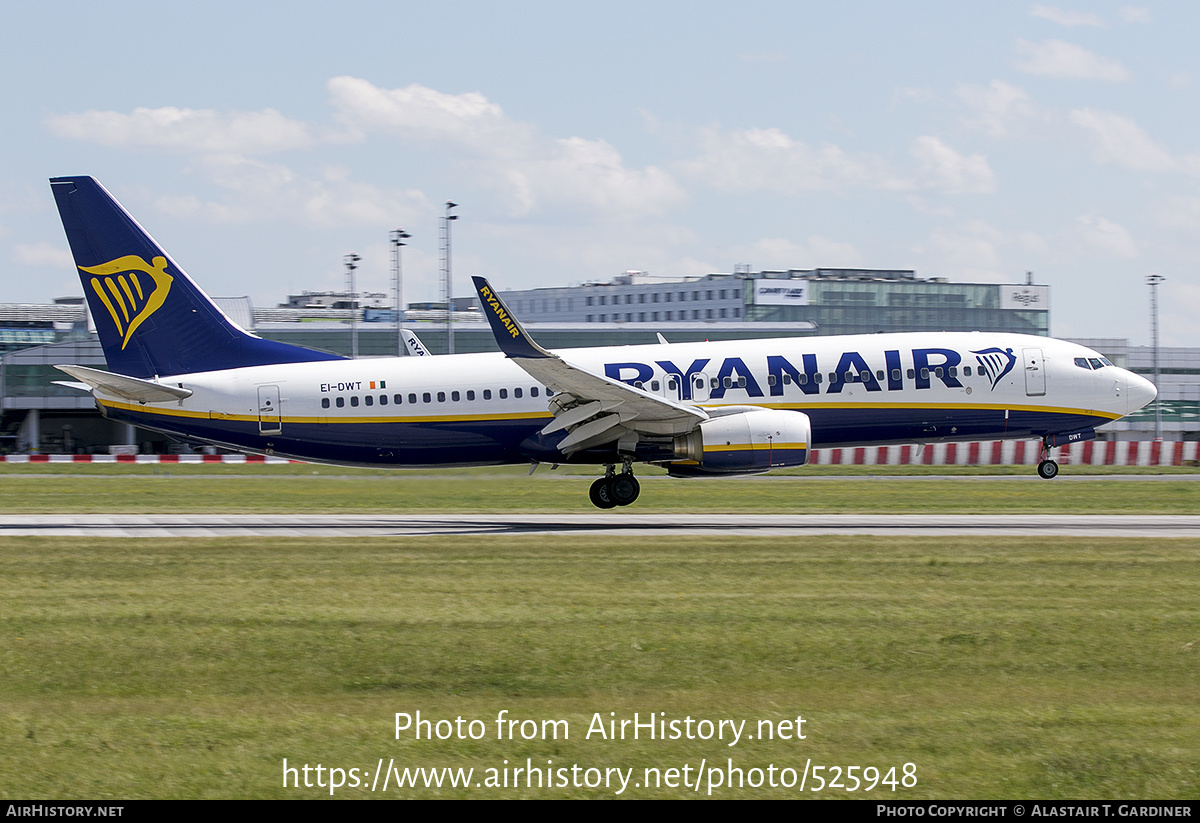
x=835, y=301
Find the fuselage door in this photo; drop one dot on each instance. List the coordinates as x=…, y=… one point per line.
x=671, y=388
x=270, y=421
x=1035, y=372
x=700, y=388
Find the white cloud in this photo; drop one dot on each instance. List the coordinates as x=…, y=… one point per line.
x=769, y=160
x=1179, y=212
x=1120, y=141
x=969, y=253
x=1106, y=237
x=1179, y=304
x=784, y=253
x=43, y=254
x=188, y=130
x=1134, y=14
x=263, y=190
x=1056, y=58
x=1066, y=17
x=532, y=170
x=1000, y=109
x=420, y=113
x=944, y=169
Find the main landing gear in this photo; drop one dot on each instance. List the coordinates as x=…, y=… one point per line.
x=1047, y=468
x=615, y=489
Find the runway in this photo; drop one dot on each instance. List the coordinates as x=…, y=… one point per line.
x=616, y=524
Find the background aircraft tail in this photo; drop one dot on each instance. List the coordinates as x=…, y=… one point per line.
x=151, y=318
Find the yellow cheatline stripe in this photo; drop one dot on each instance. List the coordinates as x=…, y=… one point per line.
x=741, y=447
x=253, y=418
x=929, y=407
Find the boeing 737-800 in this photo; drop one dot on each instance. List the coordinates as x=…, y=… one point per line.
x=178, y=365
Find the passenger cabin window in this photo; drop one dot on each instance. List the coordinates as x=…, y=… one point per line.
x=341, y=402
x=516, y=392
x=369, y=400
x=487, y=394
x=504, y=394
x=354, y=401
x=412, y=398
x=324, y=402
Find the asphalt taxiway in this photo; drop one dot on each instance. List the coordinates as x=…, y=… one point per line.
x=620, y=523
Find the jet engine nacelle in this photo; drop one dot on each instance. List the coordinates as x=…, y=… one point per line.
x=744, y=443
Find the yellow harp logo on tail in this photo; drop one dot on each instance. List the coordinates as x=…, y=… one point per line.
x=130, y=299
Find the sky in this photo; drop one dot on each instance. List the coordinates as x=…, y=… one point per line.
x=259, y=142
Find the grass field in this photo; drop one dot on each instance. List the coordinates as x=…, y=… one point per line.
x=1006, y=668
x=110, y=489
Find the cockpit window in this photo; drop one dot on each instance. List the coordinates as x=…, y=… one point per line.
x=1082, y=362
x=1096, y=364
x=1106, y=361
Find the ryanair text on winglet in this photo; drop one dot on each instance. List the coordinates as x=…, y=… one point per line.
x=494, y=302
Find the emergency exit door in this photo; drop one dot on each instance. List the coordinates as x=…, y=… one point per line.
x=270, y=421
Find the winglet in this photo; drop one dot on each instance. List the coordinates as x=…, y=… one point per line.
x=510, y=336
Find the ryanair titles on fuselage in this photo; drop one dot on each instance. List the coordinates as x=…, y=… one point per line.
x=927, y=365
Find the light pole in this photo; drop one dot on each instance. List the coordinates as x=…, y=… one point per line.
x=398, y=237
x=350, y=261
x=446, y=282
x=1153, y=280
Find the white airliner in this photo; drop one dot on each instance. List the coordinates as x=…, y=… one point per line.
x=180, y=366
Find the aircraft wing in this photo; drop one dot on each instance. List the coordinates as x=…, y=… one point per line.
x=594, y=409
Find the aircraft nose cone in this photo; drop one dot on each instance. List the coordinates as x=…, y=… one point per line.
x=1140, y=392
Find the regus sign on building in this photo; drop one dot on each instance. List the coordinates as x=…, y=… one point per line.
x=1025, y=297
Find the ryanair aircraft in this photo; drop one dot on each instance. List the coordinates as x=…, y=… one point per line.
x=180, y=366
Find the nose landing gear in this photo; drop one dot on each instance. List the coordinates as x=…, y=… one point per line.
x=614, y=489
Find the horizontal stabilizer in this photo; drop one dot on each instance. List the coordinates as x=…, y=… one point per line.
x=131, y=388
x=70, y=384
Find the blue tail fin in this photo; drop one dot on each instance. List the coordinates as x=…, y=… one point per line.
x=152, y=319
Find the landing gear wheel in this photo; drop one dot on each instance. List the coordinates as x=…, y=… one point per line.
x=624, y=489
x=1047, y=470
x=601, y=494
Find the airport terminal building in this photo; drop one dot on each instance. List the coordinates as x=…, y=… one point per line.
x=834, y=301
